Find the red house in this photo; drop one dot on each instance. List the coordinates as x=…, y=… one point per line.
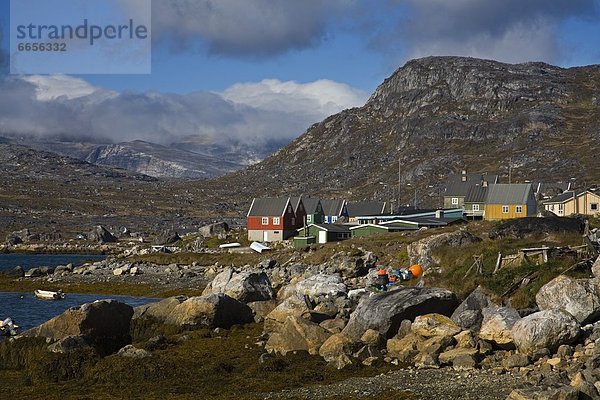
x=274, y=219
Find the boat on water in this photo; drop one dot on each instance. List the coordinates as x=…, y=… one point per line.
x=49, y=295
x=8, y=327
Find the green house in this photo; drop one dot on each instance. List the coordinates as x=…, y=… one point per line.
x=325, y=233
x=314, y=211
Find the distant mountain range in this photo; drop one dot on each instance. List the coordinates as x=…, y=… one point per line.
x=193, y=158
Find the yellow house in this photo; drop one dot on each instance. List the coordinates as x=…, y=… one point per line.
x=585, y=202
x=506, y=201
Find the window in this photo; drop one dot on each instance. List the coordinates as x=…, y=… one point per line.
x=455, y=201
x=309, y=218
x=475, y=207
x=551, y=208
x=594, y=206
x=293, y=221
x=334, y=219
x=504, y=209
x=519, y=209
x=561, y=208
x=265, y=220
x=276, y=220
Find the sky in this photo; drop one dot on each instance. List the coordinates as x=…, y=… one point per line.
x=259, y=70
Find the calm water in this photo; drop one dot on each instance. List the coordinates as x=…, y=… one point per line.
x=28, y=261
x=27, y=311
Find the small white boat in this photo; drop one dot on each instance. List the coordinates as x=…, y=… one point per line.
x=49, y=295
x=259, y=247
x=8, y=327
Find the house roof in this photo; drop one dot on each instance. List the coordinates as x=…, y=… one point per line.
x=268, y=207
x=476, y=194
x=332, y=207
x=459, y=184
x=310, y=204
x=338, y=228
x=369, y=225
x=566, y=196
x=295, y=202
x=551, y=188
x=506, y=193
x=365, y=208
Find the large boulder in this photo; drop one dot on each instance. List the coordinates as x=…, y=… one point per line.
x=521, y=228
x=212, y=311
x=420, y=252
x=468, y=314
x=297, y=334
x=544, y=330
x=579, y=297
x=430, y=325
x=384, y=312
x=101, y=235
x=321, y=285
x=16, y=272
x=160, y=310
x=497, y=325
x=218, y=229
x=352, y=264
x=337, y=346
x=294, y=305
x=247, y=286
x=103, y=324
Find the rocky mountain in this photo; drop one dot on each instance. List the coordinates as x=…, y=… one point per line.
x=192, y=158
x=439, y=115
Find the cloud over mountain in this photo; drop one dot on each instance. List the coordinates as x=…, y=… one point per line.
x=68, y=107
x=510, y=31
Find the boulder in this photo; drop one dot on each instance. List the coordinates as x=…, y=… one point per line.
x=103, y=324
x=218, y=229
x=532, y=227
x=429, y=325
x=63, y=269
x=334, y=325
x=262, y=308
x=468, y=314
x=297, y=334
x=352, y=265
x=68, y=344
x=167, y=237
x=158, y=311
x=497, y=324
x=336, y=346
x=292, y=306
x=122, y=270
x=384, y=312
x=405, y=348
x=18, y=237
x=321, y=285
x=101, y=235
x=596, y=268
x=579, y=297
x=16, y=272
x=420, y=252
x=544, y=330
x=133, y=352
x=212, y=311
x=247, y=286
x=448, y=356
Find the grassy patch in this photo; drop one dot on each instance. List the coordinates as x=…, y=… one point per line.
x=204, y=366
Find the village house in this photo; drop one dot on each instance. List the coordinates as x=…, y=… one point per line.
x=322, y=233
x=506, y=201
x=585, y=202
x=360, y=208
x=334, y=210
x=458, y=186
x=314, y=211
x=272, y=219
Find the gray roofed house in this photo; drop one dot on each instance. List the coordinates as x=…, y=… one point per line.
x=362, y=208
x=474, y=202
x=458, y=186
x=506, y=201
x=268, y=207
x=333, y=210
x=310, y=204
x=564, y=197
x=546, y=190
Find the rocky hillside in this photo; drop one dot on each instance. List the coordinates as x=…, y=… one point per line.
x=439, y=115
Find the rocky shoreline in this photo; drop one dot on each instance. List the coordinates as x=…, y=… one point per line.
x=434, y=344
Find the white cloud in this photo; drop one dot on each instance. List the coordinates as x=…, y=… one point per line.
x=67, y=107
x=507, y=30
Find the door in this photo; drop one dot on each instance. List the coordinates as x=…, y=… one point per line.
x=265, y=236
x=322, y=236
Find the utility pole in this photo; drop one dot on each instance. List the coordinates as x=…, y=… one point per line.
x=399, y=186
x=510, y=171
